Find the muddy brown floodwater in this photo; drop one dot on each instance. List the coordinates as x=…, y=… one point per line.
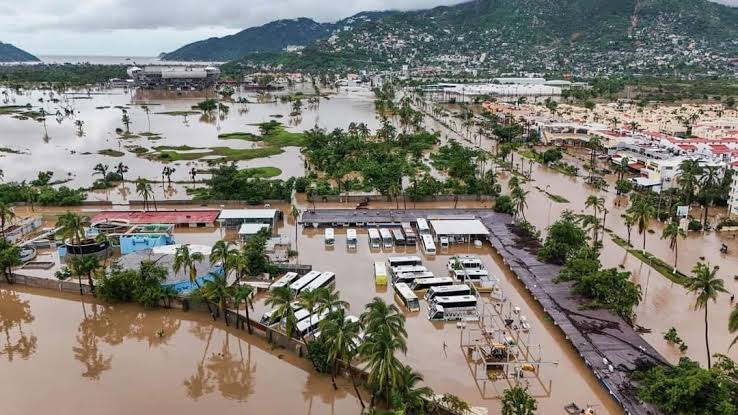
x=65, y=356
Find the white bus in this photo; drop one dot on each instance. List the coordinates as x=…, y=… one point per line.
x=330, y=237
x=465, y=261
x=324, y=280
x=407, y=297
x=374, y=239
x=420, y=284
x=266, y=318
x=386, y=237
x=380, y=273
x=398, y=261
x=351, y=239
x=409, y=277
x=447, y=291
x=399, y=238
x=303, y=282
x=407, y=229
x=423, y=228
x=474, y=274
x=285, y=280
x=460, y=307
x=310, y=325
x=408, y=269
x=428, y=245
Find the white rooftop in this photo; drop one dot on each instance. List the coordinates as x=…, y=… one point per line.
x=248, y=214
x=172, y=249
x=459, y=227
x=252, y=228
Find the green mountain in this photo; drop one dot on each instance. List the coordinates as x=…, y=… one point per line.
x=271, y=37
x=9, y=53
x=585, y=37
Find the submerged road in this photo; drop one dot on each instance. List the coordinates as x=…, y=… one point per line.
x=610, y=347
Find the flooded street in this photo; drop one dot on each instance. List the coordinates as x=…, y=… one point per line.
x=122, y=359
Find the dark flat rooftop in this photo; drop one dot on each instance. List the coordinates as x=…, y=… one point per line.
x=595, y=334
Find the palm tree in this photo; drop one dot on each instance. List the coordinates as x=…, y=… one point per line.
x=379, y=316
x=84, y=266
x=518, y=196
x=309, y=300
x=706, y=285
x=281, y=299
x=341, y=339
x=733, y=325
x=629, y=221
x=672, y=231
x=217, y=291
x=242, y=293
x=143, y=189
x=168, y=172
x=193, y=175
x=224, y=253
x=73, y=227
x=415, y=399
x=517, y=401
x=187, y=261
x=689, y=173
x=6, y=216
x=378, y=350
x=330, y=300
x=597, y=204
x=121, y=169
x=101, y=169
x=642, y=213
x=146, y=110
x=709, y=182
x=594, y=144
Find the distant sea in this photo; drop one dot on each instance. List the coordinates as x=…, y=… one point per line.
x=110, y=60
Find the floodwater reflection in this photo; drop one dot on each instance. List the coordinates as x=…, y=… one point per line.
x=14, y=312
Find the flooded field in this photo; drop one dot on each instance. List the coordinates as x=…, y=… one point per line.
x=121, y=359
x=71, y=153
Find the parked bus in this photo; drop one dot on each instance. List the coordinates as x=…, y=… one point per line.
x=409, y=277
x=407, y=229
x=474, y=274
x=465, y=261
x=330, y=238
x=351, y=239
x=324, y=280
x=454, y=308
x=380, y=273
x=285, y=280
x=399, y=238
x=407, y=297
x=397, y=261
x=266, y=318
x=408, y=269
x=420, y=284
x=309, y=325
x=386, y=237
x=423, y=228
x=303, y=282
x=428, y=245
x=447, y=291
x=374, y=239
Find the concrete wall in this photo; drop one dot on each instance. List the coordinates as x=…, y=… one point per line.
x=69, y=286
x=408, y=201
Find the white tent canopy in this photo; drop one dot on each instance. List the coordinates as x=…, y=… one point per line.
x=461, y=227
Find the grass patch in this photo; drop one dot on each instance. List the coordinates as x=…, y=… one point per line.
x=111, y=153
x=278, y=136
x=137, y=149
x=239, y=136
x=656, y=263
x=223, y=154
x=178, y=113
x=149, y=134
x=128, y=136
x=265, y=172
x=10, y=150
x=555, y=198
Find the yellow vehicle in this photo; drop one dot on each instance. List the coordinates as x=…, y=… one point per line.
x=380, y=273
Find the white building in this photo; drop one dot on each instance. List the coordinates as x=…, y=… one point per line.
x=733, y=196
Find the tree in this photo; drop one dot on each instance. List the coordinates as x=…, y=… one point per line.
x=281, y=300
x=101, y=169
x=414, y=399
x=73, y=227
x=733, y=325
x=121, y=169
x=519, y=196
x=643, y=212
x=10, y=256
x=673, y=232
x=629, y=220
x=243, y=293
x=84, y=266
x=598, y=205
x=186, y=260
x=705, y=284
x=207, y=106
x=6, y=216
x=341, y=338
x=309, y=301
x=709, y=184
x=564, y=238
x=689, y=173
x=224, y=253
x=168, y=172
x=594, y=144
x=216, y=290
x=147, y=111
x=330, y=300
x=517, y=401
x=143, y=189
x=126, y=120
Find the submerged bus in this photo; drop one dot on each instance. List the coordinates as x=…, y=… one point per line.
x=420, y=284
x=407, y=297
x=409, y=277
x=374, y=239
x=351, y=239
x=386, y=237
x=399, y=238
x=380, y=273
x=409, y=233
x=303, y=282
x=423, y=228
x=464, y=261
x=310, y=325
x=324, y=280
x=447, y=291
x=428, y=245
x=266, y=318
x=474, y=274
x=398, y=261
x=330, y=237
x=461, y=307
x=285, y=280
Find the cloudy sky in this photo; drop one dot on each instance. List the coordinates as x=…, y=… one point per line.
x=148, y=27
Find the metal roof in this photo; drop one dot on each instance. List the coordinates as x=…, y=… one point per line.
x=459, y=227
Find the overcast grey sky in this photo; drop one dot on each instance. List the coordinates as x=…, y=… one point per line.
x=148, y=27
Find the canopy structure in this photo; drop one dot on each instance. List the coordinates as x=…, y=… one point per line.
x=234, y=218
x=461, y=227
x=248, y=230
